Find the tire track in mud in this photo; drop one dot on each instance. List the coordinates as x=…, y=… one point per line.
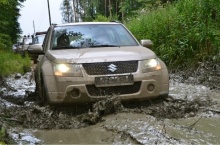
x=48, y=117
x=23, y=110
x=140, y=131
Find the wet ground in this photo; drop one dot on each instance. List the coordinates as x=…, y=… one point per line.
x=189, y=115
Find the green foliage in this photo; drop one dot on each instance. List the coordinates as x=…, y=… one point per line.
x=9, y=32
x=5, y=41
x=13, y=63
x=2, y=135
x=3, y=1
x=67, y=11
x=2, y=132
x=9, y=26
x=183, y=33
x=101, y=18
x=87, y=10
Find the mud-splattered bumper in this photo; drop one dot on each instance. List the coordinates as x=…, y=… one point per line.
x=83, y=89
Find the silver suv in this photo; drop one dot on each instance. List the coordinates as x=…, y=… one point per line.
x=87, y=61
x=38, y=39
x=26, y=41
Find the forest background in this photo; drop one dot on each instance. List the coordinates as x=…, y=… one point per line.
x=184, y=32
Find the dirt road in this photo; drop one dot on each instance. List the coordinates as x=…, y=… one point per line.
x=190, y=115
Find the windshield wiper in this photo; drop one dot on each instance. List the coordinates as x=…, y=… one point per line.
x=65, y=47
x=105, y=45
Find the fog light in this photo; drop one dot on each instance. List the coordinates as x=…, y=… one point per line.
x=74, y=93
x=150, y=87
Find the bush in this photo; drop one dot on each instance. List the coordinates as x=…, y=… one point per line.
x=5, y=41
x=101, y=18
x=183, y=33
x=13, y=63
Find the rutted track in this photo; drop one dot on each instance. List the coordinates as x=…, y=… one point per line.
x=154, y=121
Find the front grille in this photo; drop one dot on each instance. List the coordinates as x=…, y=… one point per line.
x=118, y=67
x=114, y=90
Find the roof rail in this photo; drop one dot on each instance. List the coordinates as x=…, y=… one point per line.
x=42, y=32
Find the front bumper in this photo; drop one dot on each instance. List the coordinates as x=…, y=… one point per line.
x=82, y=89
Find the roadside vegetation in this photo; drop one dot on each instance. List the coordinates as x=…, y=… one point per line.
x=13, y=63
x=9, y=33
x=184, y=33
x=9, y=61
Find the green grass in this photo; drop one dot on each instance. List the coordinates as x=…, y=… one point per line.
x=13, y=63
x=183, y=33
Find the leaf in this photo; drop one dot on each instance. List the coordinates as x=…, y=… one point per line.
x=2, y=132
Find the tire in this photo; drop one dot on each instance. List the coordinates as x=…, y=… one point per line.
x=35, y=61
x=42, y=94
x=165, y=96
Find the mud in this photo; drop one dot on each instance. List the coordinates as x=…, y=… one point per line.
x=189, y=115
x=206, y=73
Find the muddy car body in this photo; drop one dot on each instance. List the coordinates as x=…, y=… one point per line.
x=26, y=41
x=83, y=68
x=37, y=39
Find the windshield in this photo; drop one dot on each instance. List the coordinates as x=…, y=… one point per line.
x=39, y=39
x=91, y=35
x=27, y=40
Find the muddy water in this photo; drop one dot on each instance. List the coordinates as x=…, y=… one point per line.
x=199, y=123
x=139, y=128
x=205, y=131
x=95, y=134
x=130, y=128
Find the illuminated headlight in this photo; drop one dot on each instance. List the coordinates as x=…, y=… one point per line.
x=150, y=65
x=67, y=70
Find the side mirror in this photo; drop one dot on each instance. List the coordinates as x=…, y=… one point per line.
x=35, y=49
x=146, y=43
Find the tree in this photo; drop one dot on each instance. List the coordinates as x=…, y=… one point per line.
x=88, y=10
x=67, y=11
x=9, y=26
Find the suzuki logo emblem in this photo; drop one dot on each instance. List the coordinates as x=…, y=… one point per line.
x=112, y=67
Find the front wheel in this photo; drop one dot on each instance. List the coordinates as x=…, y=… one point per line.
x=164, y=96
x=42, y=94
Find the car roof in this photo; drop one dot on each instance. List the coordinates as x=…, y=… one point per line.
x=86, y=23
x=41, y=33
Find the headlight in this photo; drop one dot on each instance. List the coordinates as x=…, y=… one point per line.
x=150, y=65
x=67, y=70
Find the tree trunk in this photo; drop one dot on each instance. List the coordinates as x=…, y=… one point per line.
x=116, y=7
x=74, y=12
x=67, y=10
x=106, y=8
x=110, y=9
x=122, y=13
x=77, y=11
x=85, y=12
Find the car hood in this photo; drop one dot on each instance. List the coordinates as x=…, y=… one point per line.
x=101, y=54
